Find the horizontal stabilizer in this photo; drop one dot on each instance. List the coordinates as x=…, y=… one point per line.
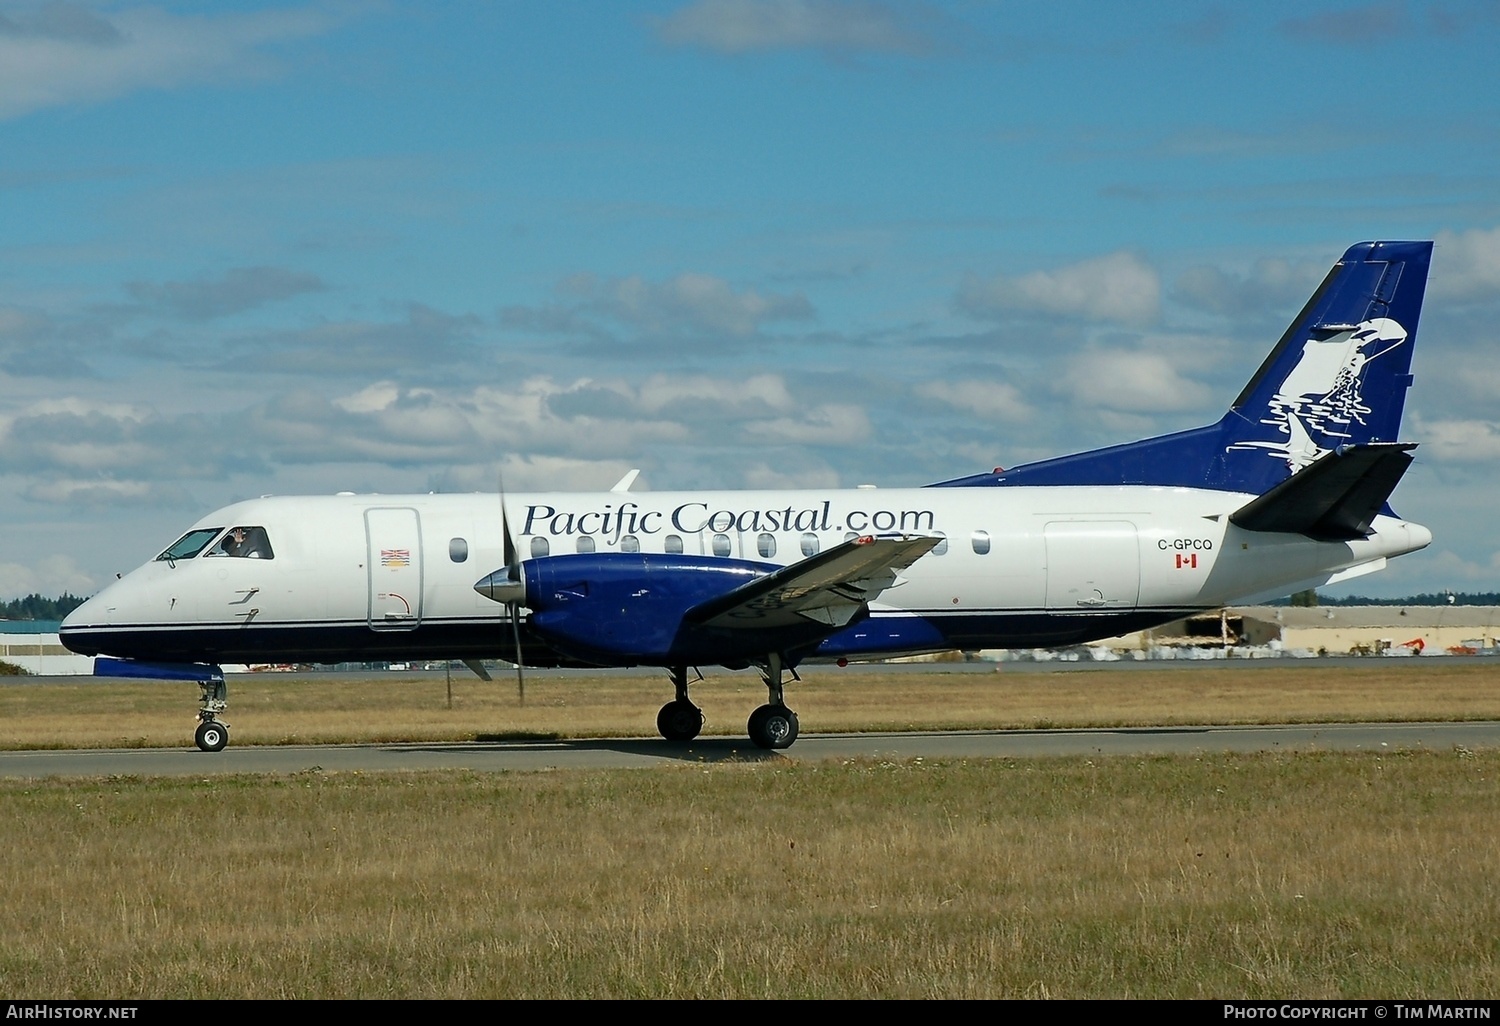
x=829, y=588
x=1335, y=498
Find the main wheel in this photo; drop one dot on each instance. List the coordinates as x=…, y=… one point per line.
x=773, y=726
x=679, y=721
x=212, y=736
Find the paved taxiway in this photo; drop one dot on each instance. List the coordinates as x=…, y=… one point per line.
x=615, y=753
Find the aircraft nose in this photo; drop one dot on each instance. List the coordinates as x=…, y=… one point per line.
x=86, y=612
x=74, y=632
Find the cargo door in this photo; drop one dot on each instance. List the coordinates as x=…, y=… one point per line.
x=1092, y=565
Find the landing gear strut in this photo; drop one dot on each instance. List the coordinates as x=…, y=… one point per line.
x=680, y=719
x=212, y=734
x=773, y=725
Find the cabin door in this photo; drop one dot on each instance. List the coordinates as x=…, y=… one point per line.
x=394, y=542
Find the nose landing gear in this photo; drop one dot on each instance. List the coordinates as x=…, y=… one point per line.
x=212, y=734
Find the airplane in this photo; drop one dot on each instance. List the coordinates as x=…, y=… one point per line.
x=1287, y=491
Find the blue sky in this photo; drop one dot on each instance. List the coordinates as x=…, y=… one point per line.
x=307, y=247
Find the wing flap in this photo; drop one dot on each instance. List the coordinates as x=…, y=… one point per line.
x=1335, y=498
x=829, y=588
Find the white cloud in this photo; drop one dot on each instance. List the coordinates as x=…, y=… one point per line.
x=534, y=473
x=763, y=475
x=105, y=493
x=1455, y=571
x=1119, y=288
x=740, y=26
x=427, y=337
x=50, y=576
x=769, y=391
x=992, y=400
x=1466, y=265
x=1458, y=441
x=589, y=420
x=1265, y=288
x=370, y=399
x=1131, y=382
x=62, y=54
x=690, y=303
x=241, y=288
x=833, y=424
x=77, y=406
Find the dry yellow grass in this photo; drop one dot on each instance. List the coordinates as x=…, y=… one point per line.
x=283, y=708
x=1311, y=876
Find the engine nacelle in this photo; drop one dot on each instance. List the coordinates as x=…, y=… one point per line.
x=614, y=608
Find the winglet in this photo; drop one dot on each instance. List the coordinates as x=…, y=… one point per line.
x=1336, y=498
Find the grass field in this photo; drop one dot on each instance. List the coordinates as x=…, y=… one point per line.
x=1315, y=875
x=286, y=708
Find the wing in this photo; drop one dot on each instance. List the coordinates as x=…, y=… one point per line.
x=829, y=588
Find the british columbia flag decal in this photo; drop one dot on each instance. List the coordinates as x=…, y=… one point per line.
x=395, y=557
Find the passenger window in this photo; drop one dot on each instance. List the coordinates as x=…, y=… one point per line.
x=585, y=544
x=458, y=549
x=809, y=544
x=244, y=543
x=941, y=548
x=850, y=535
x=630, y=543
x=674, y=544
x=539, y=547
x=766, y=545
x=721, y=544
x=981, y=542
x=190, y=544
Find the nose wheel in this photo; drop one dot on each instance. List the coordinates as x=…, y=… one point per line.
x=212, y=733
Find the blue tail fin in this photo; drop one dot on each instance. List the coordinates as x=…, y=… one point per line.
x=1337, y=377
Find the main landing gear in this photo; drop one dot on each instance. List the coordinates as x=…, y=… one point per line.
x=773, y=725
x=212, y=733
x=680, y=719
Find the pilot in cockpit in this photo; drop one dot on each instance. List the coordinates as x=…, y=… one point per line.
x=245, y=543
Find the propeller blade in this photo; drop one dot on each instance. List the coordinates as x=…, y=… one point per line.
x=515, y=629
x=511, y=560
x=512, y=592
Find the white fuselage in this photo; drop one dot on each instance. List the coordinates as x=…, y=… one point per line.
x=392, y=576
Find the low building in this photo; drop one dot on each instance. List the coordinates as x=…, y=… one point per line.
x=35, y=647
x=1330, y=630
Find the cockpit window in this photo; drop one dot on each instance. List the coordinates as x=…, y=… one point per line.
x=245, y=543
x=190, y=544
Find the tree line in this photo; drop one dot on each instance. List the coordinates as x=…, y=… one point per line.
x=35, y=607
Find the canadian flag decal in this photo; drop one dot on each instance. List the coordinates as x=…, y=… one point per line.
x=1190, y=561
